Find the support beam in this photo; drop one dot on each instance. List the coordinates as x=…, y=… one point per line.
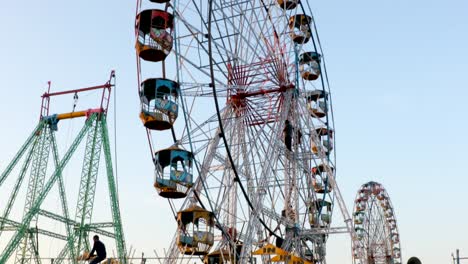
x=13, y=226
x=114, y=198
x=13, y=243
x=19, y=181
x=37, y=176
x=87, y=191
x=63, y=199
x=20, y=153
x=96, y=227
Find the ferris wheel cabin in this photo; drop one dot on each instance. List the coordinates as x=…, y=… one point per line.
x=316, y=103
x=320, y=178
x=195, y=231
x=360, y=232
x=173, y=172
x=359, y=217
x=309, y=65
x=324, y=141
x=159, y=103
x=288, y=4
x=154, y=34
x=360, y=205
x=320, y=212
x=300, y=29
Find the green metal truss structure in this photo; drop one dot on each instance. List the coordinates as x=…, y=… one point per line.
x=35, y=154
x=27, y=249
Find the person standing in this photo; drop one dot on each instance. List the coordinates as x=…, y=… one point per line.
x=100, y=250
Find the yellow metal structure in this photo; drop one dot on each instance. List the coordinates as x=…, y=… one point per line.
x=290, y=259
x=71, y=115
x=270, y=249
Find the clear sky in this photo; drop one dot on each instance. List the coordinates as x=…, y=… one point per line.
x=398, y=77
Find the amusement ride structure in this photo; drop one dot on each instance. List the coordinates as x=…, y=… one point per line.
x=237, y=110
x=240, y=89
x=33, y=159
x=376, y=227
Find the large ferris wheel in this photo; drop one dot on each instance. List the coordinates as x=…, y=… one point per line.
x=378, y=239
x=240, y=87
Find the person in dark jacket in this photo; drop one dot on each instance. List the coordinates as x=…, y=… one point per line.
x=288, y=134
x=414, y=260
x=100, y=250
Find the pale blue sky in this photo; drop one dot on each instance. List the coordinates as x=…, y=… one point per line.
x=398, y=78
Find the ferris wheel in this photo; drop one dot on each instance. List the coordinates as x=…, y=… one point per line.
x=240, y=90
x=378, y=239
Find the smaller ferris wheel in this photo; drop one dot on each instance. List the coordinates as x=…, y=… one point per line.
x=377, y=238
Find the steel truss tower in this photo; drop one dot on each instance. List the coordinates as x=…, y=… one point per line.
x=34, y=155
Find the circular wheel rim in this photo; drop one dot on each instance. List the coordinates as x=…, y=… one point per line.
x=378, y=239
